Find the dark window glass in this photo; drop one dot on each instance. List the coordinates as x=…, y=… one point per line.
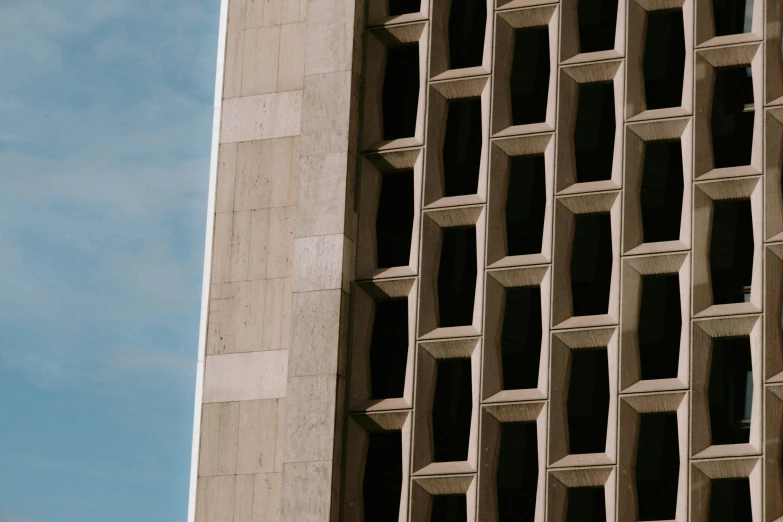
x=457, y=276
x=449, y=508
x=664, y=59
x=400, y=7
x=733, y=115
x=594, y=132
x=517, y=475
x=657, y=466
x=732, y=16
x=394, y=223
x=462, y=147
x=661, y=194
x=588, y=401
x=597, y=25
x=591, y=264
x=401, y=92
x=526, y=205
x=731, y=390
x=586, y=505
x=521, y=338
x=467, y=24
x=731, y=251
x=530, y=75
x=730, y=500
x=660, y=326
x=389, y=349
x=383, y=477
x=451, y=410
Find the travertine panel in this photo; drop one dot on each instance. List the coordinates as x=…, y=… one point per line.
x=245, y=376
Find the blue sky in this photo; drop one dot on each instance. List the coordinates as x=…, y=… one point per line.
x=105, y=121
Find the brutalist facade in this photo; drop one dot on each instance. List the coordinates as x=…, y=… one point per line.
x=494, y=260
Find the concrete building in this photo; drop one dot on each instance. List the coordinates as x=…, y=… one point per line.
x=493, y=260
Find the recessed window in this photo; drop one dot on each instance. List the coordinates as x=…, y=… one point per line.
x=594, y=132
x=401, y=92
x=525, y=205
x=400, y=7
x=731, y=251
x=457, y=277
x=449, y=508
x=733, y=116
x=521, y=338
x=661, y=193
x=517, y=475
x=451, y=410
x=657, y=466
x=530, y=75
x=731, y=390
x=383, y=477
x=730, y=500
x=467, y=25
x=462, y=147
x=394, y=222
x=660, y=326
x=588, y=401
x=664, y=59
x=586, y=505
x=591, y=264
x=389, y=349
x=732, y=16
x=597, y=25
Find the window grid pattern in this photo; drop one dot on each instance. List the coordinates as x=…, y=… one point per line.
x=685, y=393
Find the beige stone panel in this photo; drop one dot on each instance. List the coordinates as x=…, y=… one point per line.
x=302, y=10
x=262, y=117
x=240, y=246
x=280, y=435
x=267, y=497
x=236, y=317
x=315, y=320
x=257, y=433
x=320, y=262
x=323, y=203
x=218, y=449
x=221, y=248
x=307, y=492
x=227, y=171
x=245, y=376
x=244, y=491
x=277, y=314
x=237, y=14
x=215, y=499
x=260, y=61
x=310, y=418
x=290, y=75
x=259, y=243
x=327, y=103
x=290, y=12
x=282, y=221
x=273, y=12
x=255, y=14
x=330, y=46
x=232, y=74
x=267, y=173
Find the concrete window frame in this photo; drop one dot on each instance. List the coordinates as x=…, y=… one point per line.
x=569, y=36
x=705, y=26
x=377, y=14
x=439, y=58
x=772, y=54
x=773, y=305
x=424, y=488
x=773, y=453
x=704, y=472
x=561, y=480
x=773, y=195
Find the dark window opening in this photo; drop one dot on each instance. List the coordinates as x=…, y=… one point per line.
x=661, y=193
x=525, y=205
x=449, y=508
x=517, y=475
x=664, y=59
x=597, y=25
x=588, y=401
x=383, y=477
x=733, y=115
x=657, y=466
x=586, y=505
x=400, y=7
x=660, y=326
x=730, y=500
x=530, y=75
x=462, y=147
x=521, y=338
x=732, y=16
x=591, y=264
x=394, y=222
x=389, y=349
x=401, y=92
x=451, y=410
x=457, y=277
x=731, y=251
x=467, y=24
x=731, y=390
x=594, y=132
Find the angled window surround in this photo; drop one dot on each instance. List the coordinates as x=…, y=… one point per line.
x=374, y=169
x=361, y=428
x=571, y=81
x=564, y=345
x=494, y=418
x=773, y=305
x=428, y=504
x=704, y=334
x=426, y=448
x=704, y=476
x=540, y=23
x=566, y=211
x=634, y=270
x=436, y=187
x=442, y=66
x=732, y=26
x=563, y=482
x=637, y=137
x=639, y=13
x=503, y=153
x=705, y=195
x=435, y=225
x=367, y=296
x=707, y=63
x=380, y=87
x=773, y=54
x=388, y=13
x=773, y=191
x=498, y=285
x=773, y=427
x=571, y=43
x=632, y=408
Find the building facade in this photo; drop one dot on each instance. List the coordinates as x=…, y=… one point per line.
x=493, y=260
